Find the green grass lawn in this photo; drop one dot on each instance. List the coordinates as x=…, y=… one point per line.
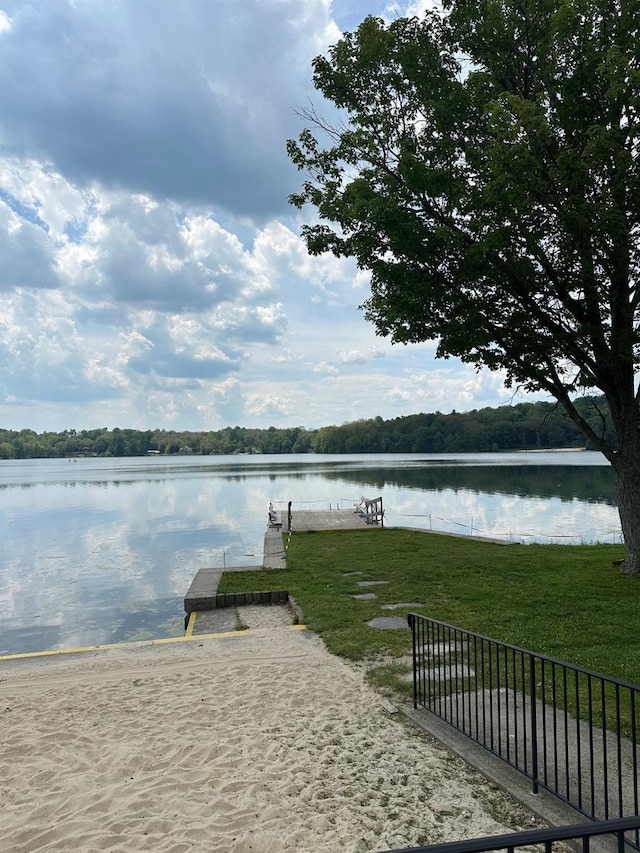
x=569, y=602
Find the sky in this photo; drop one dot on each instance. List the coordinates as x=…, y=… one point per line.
x=152, y=273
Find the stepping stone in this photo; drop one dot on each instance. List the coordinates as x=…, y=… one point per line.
x=350, y=574
x=389, y=623
x=365, y=596
x=371, y=583
x=444, y=673
x=440, y=650
x=402, y=604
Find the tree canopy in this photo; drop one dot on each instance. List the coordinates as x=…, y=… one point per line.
x=486, y=174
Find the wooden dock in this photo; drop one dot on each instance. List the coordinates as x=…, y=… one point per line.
x=368, y=513
x=320, y=519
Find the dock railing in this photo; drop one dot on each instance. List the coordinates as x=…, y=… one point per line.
x=572, y=731
x=371, y=510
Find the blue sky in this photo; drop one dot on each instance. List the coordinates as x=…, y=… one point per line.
x=151, y=268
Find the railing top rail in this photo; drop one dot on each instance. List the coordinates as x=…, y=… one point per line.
x=530, y=837
x=619, y=681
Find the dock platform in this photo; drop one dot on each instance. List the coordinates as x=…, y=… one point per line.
x=319, y=519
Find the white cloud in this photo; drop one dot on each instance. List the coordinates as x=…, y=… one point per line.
x=26, y=257
x=418, y=8
x=152, y=272
x=323, y=368
x=269, y=406
x=285, y=356
x=442, y=389
x=358, y=357
x=42, y=356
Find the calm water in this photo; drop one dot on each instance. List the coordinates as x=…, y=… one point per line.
x=103, y=550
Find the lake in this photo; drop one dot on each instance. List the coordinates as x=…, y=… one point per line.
x=103, y=550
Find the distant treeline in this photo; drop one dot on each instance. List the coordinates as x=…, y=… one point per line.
x=526, y=426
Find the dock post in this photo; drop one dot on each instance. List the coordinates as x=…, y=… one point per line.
x=289, y=517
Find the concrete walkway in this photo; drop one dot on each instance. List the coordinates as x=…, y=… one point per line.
x=275, y=556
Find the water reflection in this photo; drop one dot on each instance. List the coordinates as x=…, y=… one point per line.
x=103, y=550
x=566, y=482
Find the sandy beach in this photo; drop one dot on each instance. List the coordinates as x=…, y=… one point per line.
x=256, y=742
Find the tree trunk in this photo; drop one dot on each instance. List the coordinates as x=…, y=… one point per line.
x=627, y=468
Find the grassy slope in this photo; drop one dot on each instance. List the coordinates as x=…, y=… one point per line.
x=566, y=601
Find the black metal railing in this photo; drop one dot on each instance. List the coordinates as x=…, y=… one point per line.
x=618, y=830
x=573, y=732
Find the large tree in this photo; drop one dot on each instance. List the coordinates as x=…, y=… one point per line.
x=485, y=171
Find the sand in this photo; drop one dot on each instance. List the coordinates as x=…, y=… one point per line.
x=255, y=742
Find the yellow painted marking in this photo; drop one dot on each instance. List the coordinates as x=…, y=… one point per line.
x=192, y=621
x=163, y=641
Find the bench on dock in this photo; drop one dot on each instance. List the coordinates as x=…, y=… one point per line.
x=273, y=519
x=371, y=510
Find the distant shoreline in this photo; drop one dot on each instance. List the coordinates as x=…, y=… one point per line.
x=557, y=450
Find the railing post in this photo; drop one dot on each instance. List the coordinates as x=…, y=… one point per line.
x=412, y=624
x=534, y=723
